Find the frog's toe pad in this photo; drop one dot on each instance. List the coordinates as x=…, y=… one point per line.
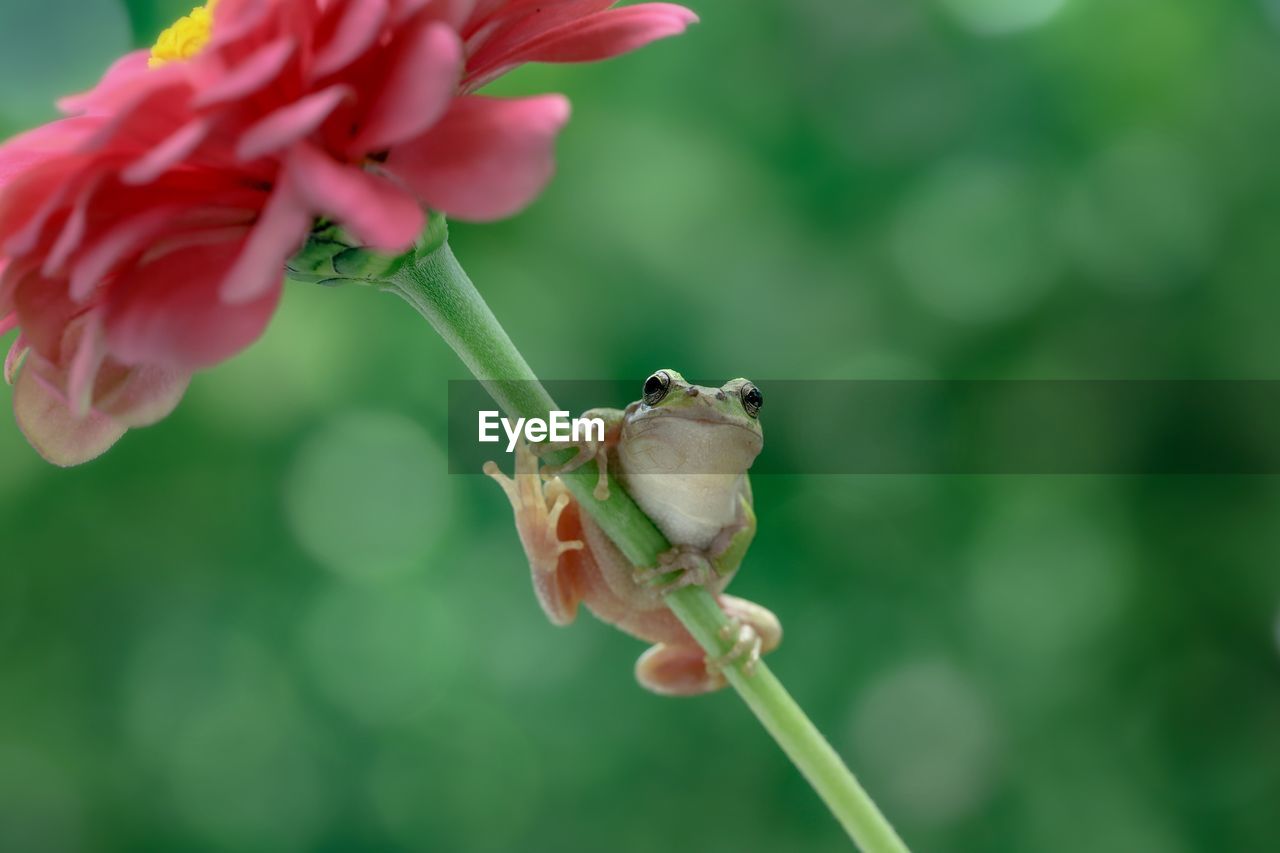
x=537, y=513
x=746, y=649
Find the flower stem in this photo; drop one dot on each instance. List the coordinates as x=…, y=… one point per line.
x=436, y=285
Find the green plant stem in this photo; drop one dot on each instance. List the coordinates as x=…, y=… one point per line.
x=441, y=291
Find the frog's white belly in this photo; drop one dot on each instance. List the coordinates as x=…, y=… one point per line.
x=687, y=475
x=689, y=509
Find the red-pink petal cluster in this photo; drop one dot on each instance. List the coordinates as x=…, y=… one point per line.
x=144, y=237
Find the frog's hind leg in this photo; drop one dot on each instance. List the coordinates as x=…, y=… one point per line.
x=682, y=668
x=753, y=630
x=677, y=669
x=550, y=529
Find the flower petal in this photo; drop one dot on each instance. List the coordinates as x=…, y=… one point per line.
x=120, y=77
x=124, y=238
x=574, y=31
x=356, y=27
x=609, y=33
x=44, y=309
x=377, y=212
x=90, y=352
x=452, y=12
x=291, y=123
x=31, y=199
x=234, y=20
x=13, y=361
x=149, y=320
x=141, y=396
x=487, y=158
x=423, y=76
x=146, y=118
x=250, y=75
x=167, y=154
x=73, y=231
x=35, y=146
x=498, y=25
x=278, y=234
x=46, y=420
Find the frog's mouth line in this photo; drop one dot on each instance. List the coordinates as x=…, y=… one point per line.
x=648, y=422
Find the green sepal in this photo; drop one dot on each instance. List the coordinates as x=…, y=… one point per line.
x=331, y=257
x=434, y=236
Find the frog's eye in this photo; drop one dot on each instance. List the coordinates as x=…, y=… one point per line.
x=656, y=387
x=752, y=399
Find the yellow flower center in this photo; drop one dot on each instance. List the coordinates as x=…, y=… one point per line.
x=185, y=38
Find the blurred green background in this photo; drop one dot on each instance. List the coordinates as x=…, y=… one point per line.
x=274, y=623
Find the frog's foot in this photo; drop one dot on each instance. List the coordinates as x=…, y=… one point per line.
x=692, y=564
x=753, y=631
x=684, y=669
x=677, y=670
x=746, y=649
x=537, y=510
x=588, y=450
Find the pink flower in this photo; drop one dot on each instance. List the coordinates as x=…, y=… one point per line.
x=144, y=237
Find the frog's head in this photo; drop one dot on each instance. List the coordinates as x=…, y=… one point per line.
x=667, y=393
x=723, y=422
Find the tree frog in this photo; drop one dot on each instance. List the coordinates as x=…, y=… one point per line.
x=682, y=453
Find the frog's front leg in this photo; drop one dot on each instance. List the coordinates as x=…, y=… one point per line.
x=713, y=566
x=589, y=448
x=682, y=668
x=542, y=514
